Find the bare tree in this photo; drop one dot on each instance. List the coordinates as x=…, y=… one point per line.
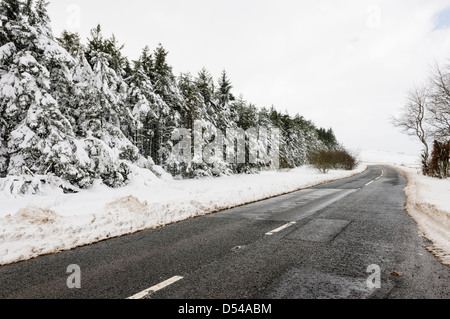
x=439, y=106
x=412, y=120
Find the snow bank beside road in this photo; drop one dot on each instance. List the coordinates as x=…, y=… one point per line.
x=52, y=221
x=428, y=203
x=428, y=199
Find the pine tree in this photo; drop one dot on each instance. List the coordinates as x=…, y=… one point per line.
x=87, y=112
x=10, y=18
x=224, y=100
x=107, y=82
x=96, y=43
x=224, y=90
x=193, y=100
x=86, y=98
x=144, y=103
x=117, y=61
x=147, y=63
x=71, y=42
x=98, y=145
x=60, y=116
x=327, y=137
x=205, y=85
x=110, y=122
x=161, y=73
x=168, y=114
x=36, y=134
x=195, y=113
x=104, y=54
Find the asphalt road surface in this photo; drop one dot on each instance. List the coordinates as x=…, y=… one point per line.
x=346, y=239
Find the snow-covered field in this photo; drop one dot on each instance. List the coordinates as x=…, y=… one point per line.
x=389, y=158
x=51, y=221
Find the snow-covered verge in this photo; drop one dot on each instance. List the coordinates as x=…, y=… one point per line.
x=49, y=220
x=427, y=199
x=428, y=203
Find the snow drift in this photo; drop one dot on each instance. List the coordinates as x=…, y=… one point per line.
x=428, y=203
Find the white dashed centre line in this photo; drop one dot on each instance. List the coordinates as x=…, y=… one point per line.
x=155, y=288
x=280, y=228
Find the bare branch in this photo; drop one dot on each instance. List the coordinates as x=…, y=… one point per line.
x=412, y=118
x=439, y=106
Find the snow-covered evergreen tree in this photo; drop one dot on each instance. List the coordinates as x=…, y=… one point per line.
x=71, y=42
x=105, y=120
x=86, y=112
x=224, y=98
x=144, y=103
x=59, y=116
x=36, y=134
x=169, y=114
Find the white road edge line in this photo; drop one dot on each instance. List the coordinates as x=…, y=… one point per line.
x=155, y=288
x=382, y=173
x=280, y=228
x=369, y=183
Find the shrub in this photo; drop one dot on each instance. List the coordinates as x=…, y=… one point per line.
x=321, y=160
x=439, y=163
x=326, y=159
x=342, y=159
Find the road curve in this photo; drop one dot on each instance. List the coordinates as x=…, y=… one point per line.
x=347, y=239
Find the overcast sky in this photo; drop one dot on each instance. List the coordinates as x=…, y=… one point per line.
x=342, y=64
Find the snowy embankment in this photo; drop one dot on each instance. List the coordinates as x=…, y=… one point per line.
x=427, y=199
x=428, y=203
x=51, y=221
